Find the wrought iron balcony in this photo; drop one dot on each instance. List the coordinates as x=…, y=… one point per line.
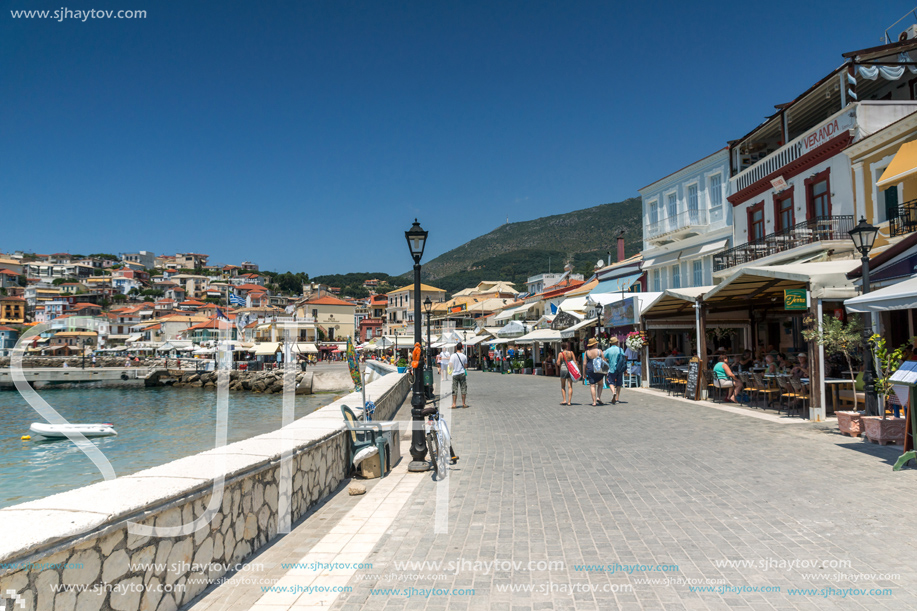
x=810, y=231
x=905, y=221
x=682, y=222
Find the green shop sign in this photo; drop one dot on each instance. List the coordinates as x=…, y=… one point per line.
x=794, y=299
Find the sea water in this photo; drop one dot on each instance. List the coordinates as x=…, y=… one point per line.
x=155, y=426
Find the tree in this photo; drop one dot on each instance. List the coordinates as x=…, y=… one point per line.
x=838, y=338
x=119, y=297
x=887, y=363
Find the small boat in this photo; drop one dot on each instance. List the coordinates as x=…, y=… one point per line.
x=59, y=431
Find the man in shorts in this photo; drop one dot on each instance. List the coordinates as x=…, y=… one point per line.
x=457, y=362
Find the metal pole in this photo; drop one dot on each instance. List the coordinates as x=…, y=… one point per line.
x=869, y=371
x=418, y=402
x=429, y=389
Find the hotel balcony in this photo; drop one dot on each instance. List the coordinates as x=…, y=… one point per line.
x=682, y=225
x=906, y=220
x=812, y=231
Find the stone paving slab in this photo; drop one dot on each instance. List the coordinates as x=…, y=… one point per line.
x=551, y=507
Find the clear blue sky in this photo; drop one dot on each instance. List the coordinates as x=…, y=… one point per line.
x=308, y=135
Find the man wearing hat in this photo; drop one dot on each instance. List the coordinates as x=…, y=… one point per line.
x=801, y=370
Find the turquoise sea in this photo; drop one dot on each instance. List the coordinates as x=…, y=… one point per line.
x=155, y=426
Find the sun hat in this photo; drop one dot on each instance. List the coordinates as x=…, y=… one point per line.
x=721, y=349
x=801, y=355
x=592, y=342
x=613, y=340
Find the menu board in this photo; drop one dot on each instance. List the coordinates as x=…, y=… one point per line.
x=693, y=373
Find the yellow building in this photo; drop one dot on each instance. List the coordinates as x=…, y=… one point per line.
x=884, y=170
x=12, y=310
x=334, y=317
x=400, y=311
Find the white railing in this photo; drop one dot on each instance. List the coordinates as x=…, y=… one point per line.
x=681, y=221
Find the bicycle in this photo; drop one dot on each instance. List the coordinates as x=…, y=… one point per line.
x=439, y=442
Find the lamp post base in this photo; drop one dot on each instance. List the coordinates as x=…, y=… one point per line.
x=419, y=466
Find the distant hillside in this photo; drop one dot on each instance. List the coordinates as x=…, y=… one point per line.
x=515, y=251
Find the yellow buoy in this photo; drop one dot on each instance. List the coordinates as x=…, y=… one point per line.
x=26, y=437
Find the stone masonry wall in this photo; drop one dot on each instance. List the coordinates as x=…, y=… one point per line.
x=79, y=538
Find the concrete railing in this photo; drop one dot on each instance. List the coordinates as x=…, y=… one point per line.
x=80, y=539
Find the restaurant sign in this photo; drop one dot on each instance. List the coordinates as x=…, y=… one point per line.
x=795, y=299
x=620, y=313
x=458, y=308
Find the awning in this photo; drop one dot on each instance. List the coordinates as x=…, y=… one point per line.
x=513, y=327
x=305, y=349
x=477, y=339
x=901, y=296
x=616, y=285
x=685, y=254
x=541, y=335
x=676, y=301
x=176, y=344
x=265, y=349
x=134, y=337
x=506, y=314
x=903, y=165
x=573, y=304
x=826, y=280
x=571, y=331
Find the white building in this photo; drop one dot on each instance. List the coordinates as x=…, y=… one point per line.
x=144, y=258
x=541, y=282
x=686, y=220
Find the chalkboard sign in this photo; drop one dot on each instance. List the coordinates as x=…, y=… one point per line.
x=691, y=386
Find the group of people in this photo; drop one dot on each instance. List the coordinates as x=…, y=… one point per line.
x=599, y=368
x=772, y=363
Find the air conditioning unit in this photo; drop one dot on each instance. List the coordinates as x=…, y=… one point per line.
x=908, y=34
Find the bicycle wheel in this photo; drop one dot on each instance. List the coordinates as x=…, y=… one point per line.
x=433, y=448
x=442, y=443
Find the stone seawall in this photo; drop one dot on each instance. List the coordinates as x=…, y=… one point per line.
x=79, y=539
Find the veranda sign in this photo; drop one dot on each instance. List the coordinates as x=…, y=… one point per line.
x=795, y=299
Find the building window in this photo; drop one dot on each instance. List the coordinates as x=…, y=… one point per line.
x=672, y=206
x=654, y=212
x=783, y=210
x=818, y=192
x=676, y=276
x=756, y=222
x=698, y=266
x=716, y=190
x=657, y=281
x=692, y=202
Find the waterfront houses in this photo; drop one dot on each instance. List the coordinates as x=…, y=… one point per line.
x=400, y=309
x=333, y=317
x=8, y=338
x=12, y=310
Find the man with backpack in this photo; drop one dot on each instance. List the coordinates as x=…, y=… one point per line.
x=617, y=364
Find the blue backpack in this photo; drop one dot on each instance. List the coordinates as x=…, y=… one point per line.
x=620, y=362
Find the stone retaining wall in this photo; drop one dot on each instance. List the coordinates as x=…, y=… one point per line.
x=79, y=538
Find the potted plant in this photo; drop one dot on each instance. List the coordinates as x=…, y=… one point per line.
x=402, y=365
x=528, y=365
x=840, y=338
x=880, y=429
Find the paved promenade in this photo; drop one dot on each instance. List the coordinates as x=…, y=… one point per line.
x=617, y=507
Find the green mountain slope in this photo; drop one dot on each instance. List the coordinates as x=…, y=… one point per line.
x=515, y=251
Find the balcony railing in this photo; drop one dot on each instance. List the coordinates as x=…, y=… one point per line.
x=679, y=222
x=906, y=220
x=808, y=232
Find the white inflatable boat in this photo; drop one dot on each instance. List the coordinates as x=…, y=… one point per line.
x=59, y=431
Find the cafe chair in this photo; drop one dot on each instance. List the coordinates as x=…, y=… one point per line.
x=766, y=388
x=714, y=390
x=750, y=387
x=787, y=392
x=802, y=393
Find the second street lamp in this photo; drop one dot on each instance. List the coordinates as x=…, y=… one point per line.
x=428, y=375
x=417, y=240
x=864, y=236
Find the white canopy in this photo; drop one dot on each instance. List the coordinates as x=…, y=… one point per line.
x=176, y=344
x=571, y=331
x=541, y=335
x=202, y=351
x=305, y=349
x=901, y=296
x=477, y=339
x=513, y=327
x=574, y=304
x=265, y=349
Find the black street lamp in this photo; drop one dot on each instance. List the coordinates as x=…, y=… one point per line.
x=83, y=346
x=417, y=240
x=864, y=236
x=428, y=383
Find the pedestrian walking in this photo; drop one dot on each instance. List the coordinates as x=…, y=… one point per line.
x=457, y=363
x=592, y=365
x=564, y=359
x=616, y=364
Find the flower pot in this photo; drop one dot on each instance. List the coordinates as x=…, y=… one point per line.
x=850, y=423
x=890, y=430
x=402, y=369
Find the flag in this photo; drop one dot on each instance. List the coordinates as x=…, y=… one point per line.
x=354, y=365
x=221, y=314
x=235, y=300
